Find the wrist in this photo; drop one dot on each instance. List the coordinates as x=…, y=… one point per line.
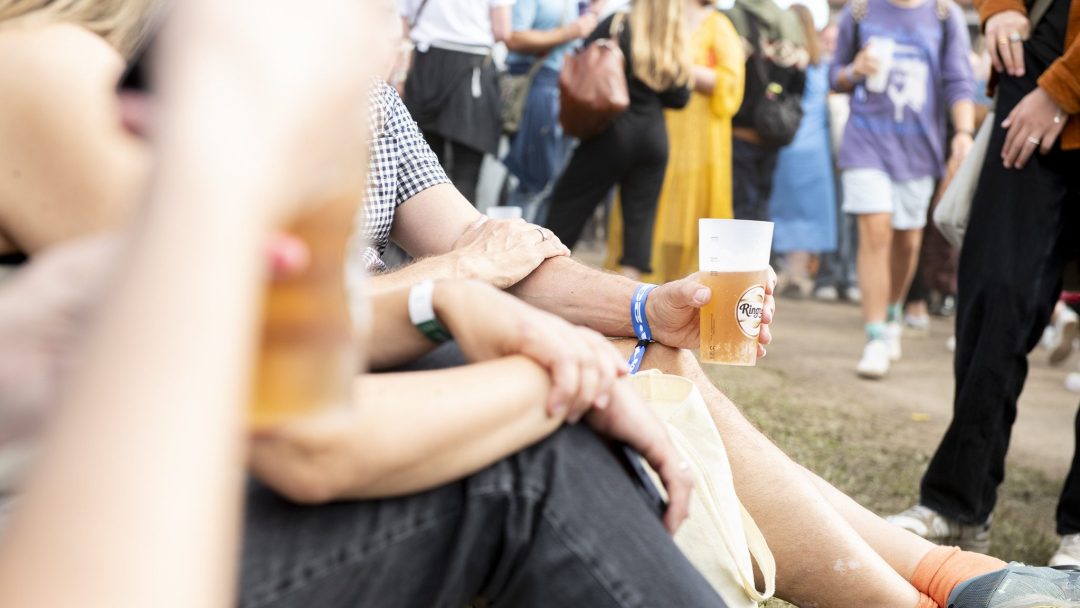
x=422, y=312
x=852, y=75
x=968, y=133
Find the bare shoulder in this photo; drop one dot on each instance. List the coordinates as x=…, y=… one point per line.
x=43, y=61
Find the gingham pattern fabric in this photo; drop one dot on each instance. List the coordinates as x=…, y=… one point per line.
x=401, y=166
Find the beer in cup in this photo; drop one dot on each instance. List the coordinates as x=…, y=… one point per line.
x=734, y=263
x=307, y=360
x=883, y=50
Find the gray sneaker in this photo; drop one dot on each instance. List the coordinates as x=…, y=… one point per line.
x=935, y=527
x=1019, y=586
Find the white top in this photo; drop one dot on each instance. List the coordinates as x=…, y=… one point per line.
x=452, y=21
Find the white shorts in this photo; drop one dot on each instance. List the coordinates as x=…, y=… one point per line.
x=873, y=191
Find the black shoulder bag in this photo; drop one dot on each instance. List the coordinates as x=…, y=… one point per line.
x=777, y=115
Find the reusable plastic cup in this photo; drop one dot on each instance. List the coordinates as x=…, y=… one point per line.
x=733, y=257
x=883, y=50
x=307, y=360
x=504, y=213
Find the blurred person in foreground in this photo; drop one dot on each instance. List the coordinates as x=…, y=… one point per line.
x=451, y=83
x=135, y=499
x=632, y=152
x=803, y=203
x=905, y=63
x=544, y=31
x=697, y=182
x=1022, y=232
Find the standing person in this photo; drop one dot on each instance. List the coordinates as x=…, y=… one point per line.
x=775, y=38
x=698, y=179
x=1022, y=231
x=633, y=151
x=543, y=31
x=893, y=148
x=452, y=89
x=803, y=203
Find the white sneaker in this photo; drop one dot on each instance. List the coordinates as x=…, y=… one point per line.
x=893, y=331
x=875, y=360
x=1066, y=330
x=1068, y=553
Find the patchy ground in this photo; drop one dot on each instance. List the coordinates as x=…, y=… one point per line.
x=874, y=439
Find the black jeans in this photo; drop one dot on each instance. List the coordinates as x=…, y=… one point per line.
x=632, y=154
x=461, y=163
x=558, y=524
x=1023, y=227
x=753, y=167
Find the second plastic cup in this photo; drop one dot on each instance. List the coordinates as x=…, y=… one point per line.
x=734, y=262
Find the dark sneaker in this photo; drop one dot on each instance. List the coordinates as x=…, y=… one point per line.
x=1019, y=586
x=935, y=527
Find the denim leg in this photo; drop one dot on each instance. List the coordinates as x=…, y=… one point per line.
x=558, y=524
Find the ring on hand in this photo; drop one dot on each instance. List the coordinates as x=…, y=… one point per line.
x=1034, y=140
x=1003, y=40
x=1057, y=117
x=543, y=237
x=1015, y=37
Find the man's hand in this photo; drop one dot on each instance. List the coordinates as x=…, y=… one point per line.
x=960, y=147
x=866, y=64
x=1005, y=35
x=489, y=324
x=673, y=311
x=629, y=420
x=1034, y=124
x=502, y=252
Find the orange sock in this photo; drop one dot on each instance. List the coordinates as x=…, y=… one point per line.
x=943, y=568
x=926, y=602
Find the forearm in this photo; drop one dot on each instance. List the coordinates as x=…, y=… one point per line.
x=581, y=295
x=539, y=42
x=154, y=415
x=395, y=340
x=845, y=80
x=963, y=116
x=436, y=268
x=704, y=80
x=412, y=432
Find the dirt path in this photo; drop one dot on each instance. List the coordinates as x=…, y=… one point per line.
x=817, y=345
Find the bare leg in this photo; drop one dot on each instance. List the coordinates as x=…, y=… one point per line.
x=821, y=560
x=873, y=262
x=904, y=260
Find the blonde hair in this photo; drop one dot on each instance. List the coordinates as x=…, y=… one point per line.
x=122, y=23
x=660, y=51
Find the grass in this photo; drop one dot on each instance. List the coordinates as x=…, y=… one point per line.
x=856, y=450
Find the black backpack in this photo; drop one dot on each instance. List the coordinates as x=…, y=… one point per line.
x=778, y=112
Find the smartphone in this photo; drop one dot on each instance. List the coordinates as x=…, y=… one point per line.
x=632, y=462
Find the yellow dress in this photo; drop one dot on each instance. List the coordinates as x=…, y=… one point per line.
x=697, y=182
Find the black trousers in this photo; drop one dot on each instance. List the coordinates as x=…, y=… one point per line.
x=753, y=167
x=461, y=163
x=632, y=154
x=1024, y=225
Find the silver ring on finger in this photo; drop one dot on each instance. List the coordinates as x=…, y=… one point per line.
x=1034, y=141
x=543, y=235
x=1016, y=37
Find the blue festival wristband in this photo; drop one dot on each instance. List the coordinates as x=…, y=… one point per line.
x=640, y=322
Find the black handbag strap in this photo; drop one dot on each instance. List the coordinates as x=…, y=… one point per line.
x=755, y=44
x=419, y=11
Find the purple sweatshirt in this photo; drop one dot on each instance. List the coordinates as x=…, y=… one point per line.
x=901, y=131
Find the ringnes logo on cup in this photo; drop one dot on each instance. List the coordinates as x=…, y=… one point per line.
x=748, y=311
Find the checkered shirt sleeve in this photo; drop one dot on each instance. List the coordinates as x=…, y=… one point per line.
x=401, y=166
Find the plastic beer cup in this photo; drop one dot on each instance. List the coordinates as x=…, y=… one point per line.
x=883, y=49
x=307, y=360
x=734, y=263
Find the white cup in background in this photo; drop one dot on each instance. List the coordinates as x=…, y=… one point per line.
x=883, y=50
x=504, y=213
